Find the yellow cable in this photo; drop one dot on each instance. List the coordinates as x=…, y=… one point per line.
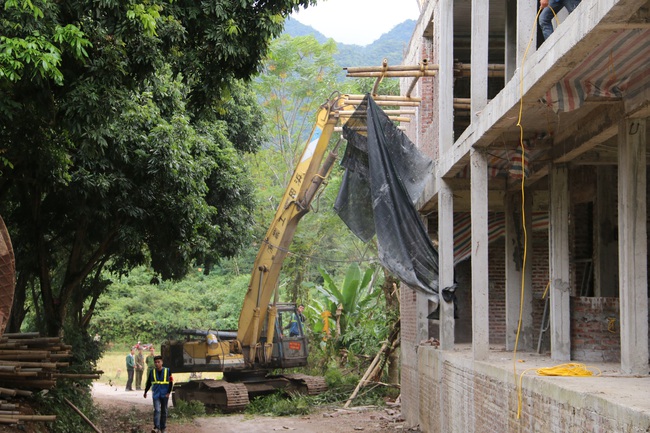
x=540, y=371
x=523, y=211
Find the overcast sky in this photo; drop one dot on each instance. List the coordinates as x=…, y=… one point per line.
x=359, y=22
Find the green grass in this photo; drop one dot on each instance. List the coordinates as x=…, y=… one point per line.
x=113, y=364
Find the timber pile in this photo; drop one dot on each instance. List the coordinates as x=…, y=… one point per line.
x=30, y=363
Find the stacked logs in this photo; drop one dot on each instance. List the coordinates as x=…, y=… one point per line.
x=30, y=363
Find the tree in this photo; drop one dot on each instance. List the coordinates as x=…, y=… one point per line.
x=122, y=128
x=298, y=76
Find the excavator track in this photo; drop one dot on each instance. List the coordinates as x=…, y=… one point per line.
x=227, y=396
x=308, y=385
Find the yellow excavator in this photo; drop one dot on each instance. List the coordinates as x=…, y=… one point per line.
x=261, y=344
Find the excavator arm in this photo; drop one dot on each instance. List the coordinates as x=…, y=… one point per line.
x=312, y=171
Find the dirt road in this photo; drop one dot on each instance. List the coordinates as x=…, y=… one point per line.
x=129, y=411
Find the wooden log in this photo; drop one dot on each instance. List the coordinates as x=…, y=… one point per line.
x=5, y=406
x=80, y=413
x=9, y=368
x=7, y=391
x=9, y=412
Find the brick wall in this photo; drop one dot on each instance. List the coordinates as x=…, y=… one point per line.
x=459, y=395
x=593, y=336
x=408, y=356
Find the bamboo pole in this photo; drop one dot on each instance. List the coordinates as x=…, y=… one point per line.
x=353, y=97
x=27, y=364
x=42, y=353
x=43, y=418
x=82, y=415
x=75, y=376
x=366, y=375
x=396, y=68
x=404, y=74
x=359, y=113
x=21, y=334
x=7, y=391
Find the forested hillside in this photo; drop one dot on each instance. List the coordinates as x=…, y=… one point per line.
x=389, y=46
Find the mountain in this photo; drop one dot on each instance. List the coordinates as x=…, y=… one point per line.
x=389, y=46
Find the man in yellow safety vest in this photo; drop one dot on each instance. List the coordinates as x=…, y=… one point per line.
x=161, y=383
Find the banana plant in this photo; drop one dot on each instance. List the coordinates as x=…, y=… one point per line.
x=351, y=298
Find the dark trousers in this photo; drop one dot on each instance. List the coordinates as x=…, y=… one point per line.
x=138, y=379
x=129, y=379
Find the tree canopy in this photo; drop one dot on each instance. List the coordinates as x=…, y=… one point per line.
x=122, y=132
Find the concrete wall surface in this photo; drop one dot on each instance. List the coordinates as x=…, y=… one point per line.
x=459, y=395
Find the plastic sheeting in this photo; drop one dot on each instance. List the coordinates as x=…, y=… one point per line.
x=385, y=174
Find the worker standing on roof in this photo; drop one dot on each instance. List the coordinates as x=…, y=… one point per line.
x=550, y=8
x=161, y=383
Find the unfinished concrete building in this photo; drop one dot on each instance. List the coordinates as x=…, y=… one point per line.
x=538, y=203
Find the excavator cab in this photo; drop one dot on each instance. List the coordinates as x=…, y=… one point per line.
x=288, y=351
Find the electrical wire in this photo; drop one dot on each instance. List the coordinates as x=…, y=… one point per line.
x=568, y=369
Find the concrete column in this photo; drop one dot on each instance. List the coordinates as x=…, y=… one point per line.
x=480, y=272
x=479, y=53
x=632, y=246
x=526, y=25
x=558, y=234
x=511, y=39
x=605, y=257
x=446, y=262
x=518, y=272
x=444, y=33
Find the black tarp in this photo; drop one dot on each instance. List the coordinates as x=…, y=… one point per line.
x=385, y=174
